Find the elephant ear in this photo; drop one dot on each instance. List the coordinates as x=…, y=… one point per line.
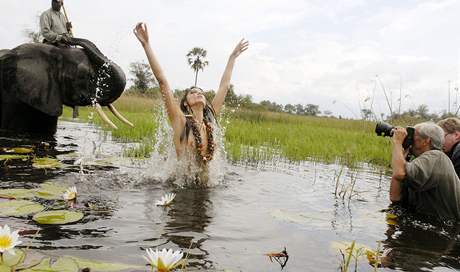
x=36, y=78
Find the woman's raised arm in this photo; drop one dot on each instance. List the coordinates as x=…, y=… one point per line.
x=174, y=112
x=219, y=99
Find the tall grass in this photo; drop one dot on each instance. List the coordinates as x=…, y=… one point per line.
x=292, y=137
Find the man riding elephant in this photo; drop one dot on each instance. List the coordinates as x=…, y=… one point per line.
x=54, y=26
x=56, y=30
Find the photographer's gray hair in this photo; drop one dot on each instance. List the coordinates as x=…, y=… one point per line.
x=432, y=131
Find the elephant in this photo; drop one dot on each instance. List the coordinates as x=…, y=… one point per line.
x=36, y=80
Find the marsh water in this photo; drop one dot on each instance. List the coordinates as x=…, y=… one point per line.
x=308, y=208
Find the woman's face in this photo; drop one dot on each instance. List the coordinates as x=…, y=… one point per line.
x=195, y=97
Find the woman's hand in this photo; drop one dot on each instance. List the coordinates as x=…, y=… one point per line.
x=141, y=33
x=240, y=48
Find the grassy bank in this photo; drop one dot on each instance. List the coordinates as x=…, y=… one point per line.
x=251, y=134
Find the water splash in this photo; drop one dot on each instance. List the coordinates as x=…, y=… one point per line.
x=100, y=82
x=167, y=167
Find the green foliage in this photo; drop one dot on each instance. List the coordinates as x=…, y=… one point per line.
x=249, y=133
x=304, y=138
x=143, y=78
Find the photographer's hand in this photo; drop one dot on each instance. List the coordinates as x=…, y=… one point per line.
x=399, y=134
x=398, y=163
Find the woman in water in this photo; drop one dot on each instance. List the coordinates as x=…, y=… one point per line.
x=194, y=113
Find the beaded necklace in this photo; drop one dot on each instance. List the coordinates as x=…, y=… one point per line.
x=199, y=141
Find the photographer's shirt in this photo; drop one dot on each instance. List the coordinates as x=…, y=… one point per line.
x=433, y=187
x=454, y=156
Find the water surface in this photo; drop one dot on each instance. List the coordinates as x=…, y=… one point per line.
x=259, y=207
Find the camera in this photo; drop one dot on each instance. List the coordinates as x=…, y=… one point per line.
x=386, y=130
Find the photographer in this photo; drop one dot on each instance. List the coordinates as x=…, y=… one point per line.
x=428, y=184
x=451, y=127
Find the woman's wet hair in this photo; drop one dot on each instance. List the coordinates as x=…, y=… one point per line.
x=208, y=112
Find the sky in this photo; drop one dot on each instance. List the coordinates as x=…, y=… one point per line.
x=338, y=54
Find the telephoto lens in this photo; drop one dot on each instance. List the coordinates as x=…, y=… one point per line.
x=384, y=129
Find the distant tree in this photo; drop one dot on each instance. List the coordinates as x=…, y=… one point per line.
x=209, y=95
x=143, y=78
x=422, y=111
x=311, y=109
x=366, y=114
x=231, y=99
x=196, y=59
x=289, y=108
x=246, y=101
x=299, y=109
x=266, y=104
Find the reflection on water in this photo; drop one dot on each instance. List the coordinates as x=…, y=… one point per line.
x=260, y=207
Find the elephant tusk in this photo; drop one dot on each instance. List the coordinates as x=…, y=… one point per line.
x=119, y=116
x=104, y=116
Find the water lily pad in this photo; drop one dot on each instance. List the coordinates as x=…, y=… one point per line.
x=48, y=264
x=59, y=217
x=50, y=191
x=46, y=163
x=9, y=157
x=103, y=267
x=73, y=264
x=19, y=208
x=10, y=260
x=17, y=193
x=18, y=150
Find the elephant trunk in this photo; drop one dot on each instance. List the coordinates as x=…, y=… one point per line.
x=109, y=80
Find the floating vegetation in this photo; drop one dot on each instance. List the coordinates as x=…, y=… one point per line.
x=10, y=157
x=19, y=208
x=280, y=257
x=59, y=217
x=164, y=260
x=46, y=163
x=391, y=219
x=17, y=193
x=21, y=261
x=70, y=193
x=50, y=191
x=166, y=200
x=47, y=190
x=18, y=150
x=356, y=252
x=8, y=240
x=11, y=260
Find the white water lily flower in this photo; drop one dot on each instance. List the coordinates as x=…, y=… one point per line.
x=8, y=239
x=166, y=199
x=70, y=193
x=164, y=260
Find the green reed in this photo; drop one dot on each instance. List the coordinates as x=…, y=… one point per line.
x=258, y=135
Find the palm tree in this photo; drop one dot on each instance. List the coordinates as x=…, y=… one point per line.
x=196, y=59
